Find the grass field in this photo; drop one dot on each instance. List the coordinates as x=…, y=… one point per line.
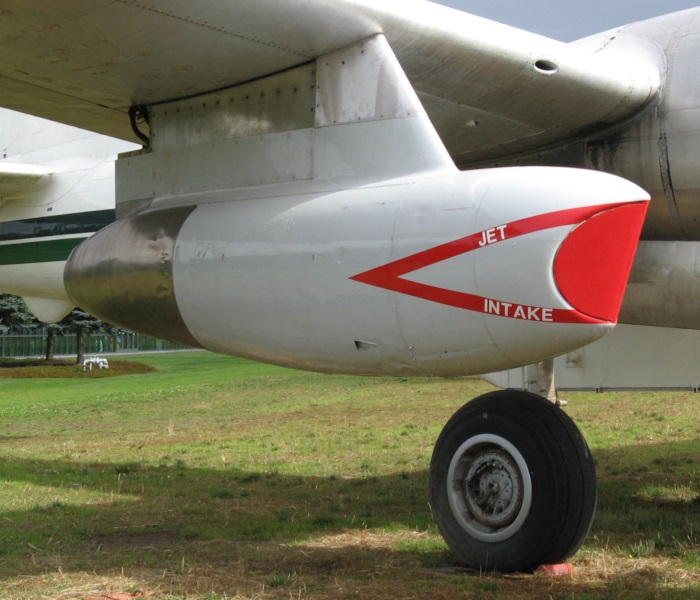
x=216, y=478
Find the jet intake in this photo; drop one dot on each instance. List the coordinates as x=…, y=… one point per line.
x=594, y=262
x=437, y=275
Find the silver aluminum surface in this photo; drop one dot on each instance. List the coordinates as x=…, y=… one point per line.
x=124, y=274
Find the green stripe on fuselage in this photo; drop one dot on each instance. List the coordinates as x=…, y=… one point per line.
x=54, y=225
x=38, y=252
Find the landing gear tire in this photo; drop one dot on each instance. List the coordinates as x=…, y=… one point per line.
x=512, y=483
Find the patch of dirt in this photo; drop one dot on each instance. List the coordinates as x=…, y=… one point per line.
x=63, y=369
x=133, y=540
x=15, y=364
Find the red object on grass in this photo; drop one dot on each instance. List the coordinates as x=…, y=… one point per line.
x=560, y=569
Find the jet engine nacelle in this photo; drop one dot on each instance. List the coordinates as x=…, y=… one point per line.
x=439, y=275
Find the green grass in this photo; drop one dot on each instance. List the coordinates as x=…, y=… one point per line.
x=214, y=477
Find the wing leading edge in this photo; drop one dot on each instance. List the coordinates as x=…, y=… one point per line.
x=489, y=89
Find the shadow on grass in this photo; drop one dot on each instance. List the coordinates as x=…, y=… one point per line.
x=111, y=505
x=170, y=521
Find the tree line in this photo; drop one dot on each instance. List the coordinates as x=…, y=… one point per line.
x=15, y=316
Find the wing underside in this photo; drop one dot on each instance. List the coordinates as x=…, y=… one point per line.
x=490, y=90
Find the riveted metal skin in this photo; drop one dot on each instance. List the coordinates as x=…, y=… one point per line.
x=126, y=277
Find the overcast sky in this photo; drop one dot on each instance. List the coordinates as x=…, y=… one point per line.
x=568, y=20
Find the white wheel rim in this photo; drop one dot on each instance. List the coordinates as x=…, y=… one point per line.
x=489, y=488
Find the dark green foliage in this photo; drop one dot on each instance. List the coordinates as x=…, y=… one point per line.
x=14, y=314
x=82, y=324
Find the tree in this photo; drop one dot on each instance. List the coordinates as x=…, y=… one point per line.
x=84, y=324
x=52, y=330
x=15, y=314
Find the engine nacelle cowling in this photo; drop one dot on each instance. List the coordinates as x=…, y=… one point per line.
x=438, y=275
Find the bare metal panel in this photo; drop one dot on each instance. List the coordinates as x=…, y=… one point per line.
x=664, y=286
x=626, y=358
x=473, y=135
x=351, y=114
x=254, y=134
x=233, y=163
x=361, y=83
x=134, y=183
x=130, y=278
x=284, y=102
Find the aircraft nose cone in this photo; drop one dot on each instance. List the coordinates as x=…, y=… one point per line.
x=594, y=261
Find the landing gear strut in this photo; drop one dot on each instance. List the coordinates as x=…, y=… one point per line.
x=512, y=483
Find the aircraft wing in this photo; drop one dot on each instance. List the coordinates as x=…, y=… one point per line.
x=17, y=178
x=489, y=89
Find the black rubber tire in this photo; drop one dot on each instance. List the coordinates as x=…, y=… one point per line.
x=561, y=471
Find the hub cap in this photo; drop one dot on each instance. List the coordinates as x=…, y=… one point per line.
x=489, y=488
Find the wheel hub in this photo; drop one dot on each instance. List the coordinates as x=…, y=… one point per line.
x=489, y=488
x=493, y=489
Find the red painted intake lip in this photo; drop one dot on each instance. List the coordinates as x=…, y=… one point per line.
x=594, y=261
x=582, y=255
